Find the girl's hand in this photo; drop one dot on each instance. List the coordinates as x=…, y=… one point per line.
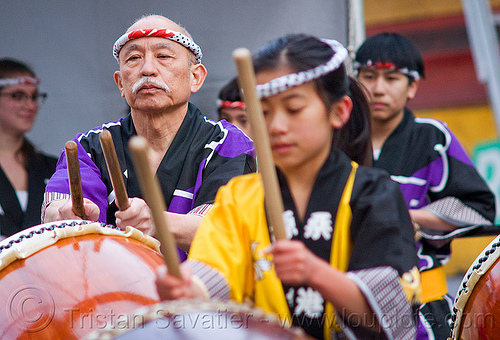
x=293, y=261
x=172, y=288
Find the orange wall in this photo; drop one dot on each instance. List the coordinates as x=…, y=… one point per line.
x=471, y=124
x=379, y=12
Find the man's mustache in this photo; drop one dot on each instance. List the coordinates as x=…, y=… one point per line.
x=150, y=80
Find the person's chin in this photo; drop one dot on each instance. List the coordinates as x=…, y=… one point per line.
x=379, y=115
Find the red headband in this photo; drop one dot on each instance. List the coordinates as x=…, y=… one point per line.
x=178, y=37
x=225, y=103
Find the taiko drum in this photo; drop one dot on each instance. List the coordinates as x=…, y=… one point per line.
x=476, y=311
x=63, y=280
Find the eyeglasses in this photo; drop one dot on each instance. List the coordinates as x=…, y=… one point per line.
x=23, y=97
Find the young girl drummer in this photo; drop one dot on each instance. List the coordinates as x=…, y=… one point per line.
x=349, y=265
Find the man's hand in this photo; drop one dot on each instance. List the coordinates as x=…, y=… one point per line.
x=137, y=215
x=63, y=210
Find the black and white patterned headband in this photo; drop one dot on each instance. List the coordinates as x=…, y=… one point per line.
x=178, y=37
x=283, y=83
x=386, y=65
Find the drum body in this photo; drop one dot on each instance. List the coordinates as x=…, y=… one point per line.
x=62, y=280
x=476, y=311
x=188, y=319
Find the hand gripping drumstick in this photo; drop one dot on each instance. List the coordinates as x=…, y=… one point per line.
x=114, y=169
x=273, y=200
x=150, y=188
x=75, y=182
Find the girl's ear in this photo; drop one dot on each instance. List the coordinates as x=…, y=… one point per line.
x=340, y=112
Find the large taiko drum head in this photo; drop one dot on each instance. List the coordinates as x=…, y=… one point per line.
x=203, y=320
x=65, y=279
x=476, y=311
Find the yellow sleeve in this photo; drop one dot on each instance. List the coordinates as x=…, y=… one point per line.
x=223, y=239
x=232, y=239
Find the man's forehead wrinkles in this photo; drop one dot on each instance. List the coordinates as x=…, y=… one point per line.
x=156, y=45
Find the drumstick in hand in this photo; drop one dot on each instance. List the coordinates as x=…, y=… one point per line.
x=273, y=200
x=75, y=182
x=153, y=196
x=114, y=169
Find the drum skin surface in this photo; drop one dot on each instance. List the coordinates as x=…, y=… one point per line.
x=477, y=304
x=75, y=285
x=203, y=320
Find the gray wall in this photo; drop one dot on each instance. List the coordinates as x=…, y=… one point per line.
x=69, y=42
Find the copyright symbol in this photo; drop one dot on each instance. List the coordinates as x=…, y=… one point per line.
x=31, y=308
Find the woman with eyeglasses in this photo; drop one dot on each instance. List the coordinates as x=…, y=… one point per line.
x=24, y=170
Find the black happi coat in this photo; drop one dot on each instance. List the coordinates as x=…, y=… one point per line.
x=12, y=218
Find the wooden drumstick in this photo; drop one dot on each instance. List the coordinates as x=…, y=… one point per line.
x=115, y=172
x=153, y=196
x=75, y=182
x=273, y=200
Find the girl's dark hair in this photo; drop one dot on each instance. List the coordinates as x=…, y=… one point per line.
x=8, y=69
x=354, y=137
x=230, y=92
x=303, y=52
x=391, y=48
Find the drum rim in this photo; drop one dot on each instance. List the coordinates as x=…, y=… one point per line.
x=176, y=307
x=478, y=268
x=33, y=239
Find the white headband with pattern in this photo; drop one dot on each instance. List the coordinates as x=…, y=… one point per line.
x=19, y=80
x=388, y=65
x=178, y=37
x=283, y=83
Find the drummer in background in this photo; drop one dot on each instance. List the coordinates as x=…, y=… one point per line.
x=444, y=192
x=24, y=171
x=160, y=66
x=350, y=248
x=231, y=107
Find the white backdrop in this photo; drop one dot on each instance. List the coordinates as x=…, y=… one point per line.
x=68, y=43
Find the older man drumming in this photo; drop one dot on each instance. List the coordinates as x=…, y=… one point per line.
x=160, y=66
